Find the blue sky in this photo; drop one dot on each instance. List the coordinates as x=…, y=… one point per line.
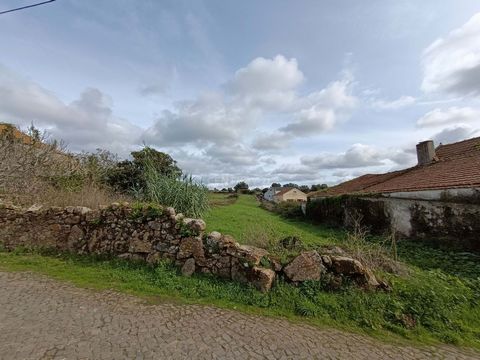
x=261, y=91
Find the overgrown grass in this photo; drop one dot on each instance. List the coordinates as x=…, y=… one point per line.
x=429, y=306
x=183, y=193
x=216, y=199
x=244, y=218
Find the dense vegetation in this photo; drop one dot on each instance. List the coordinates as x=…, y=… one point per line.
x=37, y=170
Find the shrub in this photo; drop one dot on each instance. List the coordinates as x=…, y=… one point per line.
x=129, y=175
x=182, y=193
x=289, y=210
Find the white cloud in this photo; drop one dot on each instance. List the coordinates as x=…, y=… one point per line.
x=221, y=124
x=401, y=102
x=321, y=110
x=311, y=121
x=208, y=119
x=455, y=133
x=358, y=155
x=452, y=64
x=233, y=155
x=273, y=141
x=267, y=83
x=451, y=115
x=85, y=124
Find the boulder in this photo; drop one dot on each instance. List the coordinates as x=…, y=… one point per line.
x=192, y=246
x=306, y=266
x=327, y=261
x=81, y=210
x=72, y=219
x=248, y=254
x=75, y=237
x=368, y=279
x=189, y=267
x=35, y=208
x=162, y=246
x=262, y=278
x=355, y=269
x=227, y=243
x=239, y=271
x=155, y=225
x=154, y=258
x=212, y=242
x=196, y=225
x=347, y=266
x=215, y=235
x=140, y=246
x=170, y=211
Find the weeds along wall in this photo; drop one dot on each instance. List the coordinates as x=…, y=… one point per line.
x=453, y=222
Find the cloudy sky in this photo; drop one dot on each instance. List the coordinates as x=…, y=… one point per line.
x=305, y=91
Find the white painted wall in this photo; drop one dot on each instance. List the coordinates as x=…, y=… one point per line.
x=434, y=194
x=271, y=193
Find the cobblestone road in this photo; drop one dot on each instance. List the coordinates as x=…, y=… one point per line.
x=44, y=319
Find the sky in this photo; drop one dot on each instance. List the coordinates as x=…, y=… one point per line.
x=303, y=91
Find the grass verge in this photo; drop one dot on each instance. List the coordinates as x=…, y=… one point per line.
x=428, y=307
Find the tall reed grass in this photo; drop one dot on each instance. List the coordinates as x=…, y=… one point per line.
x=183, y=193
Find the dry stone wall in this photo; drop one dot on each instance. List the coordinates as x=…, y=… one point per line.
x=153, y=234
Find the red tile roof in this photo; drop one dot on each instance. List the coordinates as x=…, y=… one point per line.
x=458, y=166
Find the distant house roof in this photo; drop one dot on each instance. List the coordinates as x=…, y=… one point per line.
x=287, y=189
x=457, y=165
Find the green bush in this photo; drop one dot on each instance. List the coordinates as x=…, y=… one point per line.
x=289, y=210
x=183, y=193
x=128, y=176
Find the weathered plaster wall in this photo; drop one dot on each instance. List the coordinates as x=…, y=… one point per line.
x=469, y=194
x=449, y=217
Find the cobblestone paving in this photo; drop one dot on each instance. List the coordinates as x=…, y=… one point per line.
x=44, y=319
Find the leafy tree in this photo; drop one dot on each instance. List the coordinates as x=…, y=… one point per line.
x=241, y=186
x=276, y=185
x=318, y=187
x=290, y=185
x=304, y=188
x=128, y=175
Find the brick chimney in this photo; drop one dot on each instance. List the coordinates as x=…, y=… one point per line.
x=425, y=152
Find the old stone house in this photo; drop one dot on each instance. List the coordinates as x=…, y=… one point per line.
x=437, y=198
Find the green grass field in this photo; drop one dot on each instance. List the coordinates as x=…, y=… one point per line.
x=244, y=219
x=438, y=301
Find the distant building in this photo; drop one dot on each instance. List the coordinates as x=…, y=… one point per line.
x=270, y=193
x=290, y=195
